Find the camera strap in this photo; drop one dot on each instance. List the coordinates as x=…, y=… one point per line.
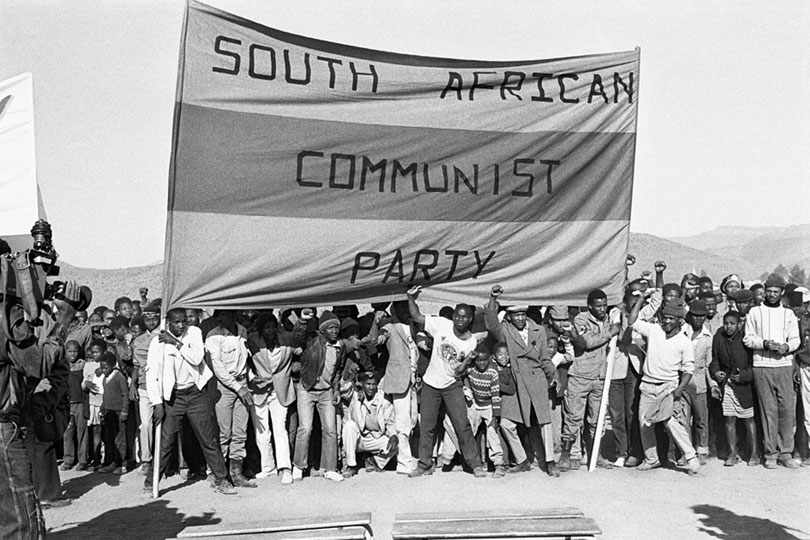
x=8, y=320
x=25, y=285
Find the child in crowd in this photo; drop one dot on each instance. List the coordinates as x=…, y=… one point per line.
x=484, y=382
x=732, y=367
x=510, y=408
x=123, y=308
x=122, y=338
x=75, y=437
x=92, y=383
x=114, y=412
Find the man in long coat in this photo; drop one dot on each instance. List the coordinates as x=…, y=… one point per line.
x=531, y=366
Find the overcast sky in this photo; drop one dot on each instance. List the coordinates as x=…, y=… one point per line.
x=723, y=131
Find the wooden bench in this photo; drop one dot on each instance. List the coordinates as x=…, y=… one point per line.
x=568, y=523
x=346, y=527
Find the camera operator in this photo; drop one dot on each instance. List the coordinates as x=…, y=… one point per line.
x=29, y=350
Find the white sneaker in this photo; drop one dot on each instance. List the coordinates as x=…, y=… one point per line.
x=334, y=476
x=266, y=474
x=286, y=477
x=297, y=474
x=619, y=462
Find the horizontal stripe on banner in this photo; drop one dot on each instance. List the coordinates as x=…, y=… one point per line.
x=249, y=262
x=236, y=163
x=234, y=64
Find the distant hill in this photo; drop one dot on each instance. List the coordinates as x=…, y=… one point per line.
x=763, y=247
x=716, y=258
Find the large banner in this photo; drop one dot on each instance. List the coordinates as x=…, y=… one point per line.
x=314, y=173
x=20, y=205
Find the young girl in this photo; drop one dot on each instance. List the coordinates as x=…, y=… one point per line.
x=92, y=383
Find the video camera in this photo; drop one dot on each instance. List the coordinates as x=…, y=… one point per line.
x=23, y=276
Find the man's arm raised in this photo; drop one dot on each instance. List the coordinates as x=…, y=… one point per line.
x=413, y=307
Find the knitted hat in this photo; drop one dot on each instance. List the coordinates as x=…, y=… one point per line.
x=743, y=295
x=671, y=287
x=698, y=307
x=775, y=280
x=559, y=313
x=674, y=308
x=328, y=319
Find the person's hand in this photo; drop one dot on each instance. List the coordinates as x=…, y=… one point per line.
x=555, y=386
x=735, y=378
x=379, y=316
x=297, y=351
x=497, y=290
x=495, y=422
x=659, y=266
x=677, y=393
x=44, y=385
x=423, y=344
x=306, y=314
x=168, y=338
x=783, y=348
x=142, y=292
x=615, y=329
x=91, y=387
x=720, y=375
x=245, y=396
x=158, y=413
x=716, y=394
x=630, y=261
x=122, y=418
x=393, y=444
x=133, y=393
x=413, y=292
x=335, y=397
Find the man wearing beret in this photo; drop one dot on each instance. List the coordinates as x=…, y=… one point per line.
x=772, y=331
x=669, y=354
x=321, y=366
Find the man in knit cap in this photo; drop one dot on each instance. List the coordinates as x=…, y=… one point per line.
x=321, y=367
x=772, y=331
x=669, y=355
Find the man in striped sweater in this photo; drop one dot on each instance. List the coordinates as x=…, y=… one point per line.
x=772, y=331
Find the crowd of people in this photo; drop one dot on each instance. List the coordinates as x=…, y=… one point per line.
x=494, y=389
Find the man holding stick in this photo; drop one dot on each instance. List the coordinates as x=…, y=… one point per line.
x=175, y=378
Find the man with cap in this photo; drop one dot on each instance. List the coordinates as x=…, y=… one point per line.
x=670, y=355
x=743, y=300
x=586, y=377
x=772, y=331
x=532, y=369
x=696, y=403
x=226, y=347
x=560, y=331
x=321, y=367
x=626, y=378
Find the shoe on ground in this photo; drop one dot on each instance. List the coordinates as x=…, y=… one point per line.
x=703, y=459
x=120, y=470
x=223, y=486
x=647, y=466
x=575, y=464
x=334, y=476
x=770, y=463
x=297, y=474
x=693, y=466
x=788, y=463
x=681, y=462
x=731, y=461
x=632, y=461
x=97, y=467
x=552, y=469
x=602, y=463
x=82, y=467
x=806, y=462
x=66, y=466
x=107, y=468
x=753, y=461
x=349, y=471
x=500, y=471
x=524, y=466
x=620, y=462
x=266, y=474
x=286, y=477
x=480, y=471
x=144, y=469
x=419, y=471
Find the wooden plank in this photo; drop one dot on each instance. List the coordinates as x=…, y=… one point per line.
x=362, y=519
x=347, y=533
x=540, y=513
x=484, y=528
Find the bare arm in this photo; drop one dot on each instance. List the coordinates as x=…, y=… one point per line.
x=413, y=307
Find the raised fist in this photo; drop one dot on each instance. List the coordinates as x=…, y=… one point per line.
x=660, y=266
x=497, y=290
x=413, y=292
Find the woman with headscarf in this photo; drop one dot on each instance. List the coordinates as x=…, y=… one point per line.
x=730, y=285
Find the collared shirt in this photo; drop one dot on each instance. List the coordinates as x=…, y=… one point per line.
x=702, y=343
x=329, y=362
x=229, y=354
x=666, y=357
x=371, y=415
x=165, y=363
x=140, y=352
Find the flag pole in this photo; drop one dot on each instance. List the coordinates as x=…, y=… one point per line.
x=600, y=424
x=158, y=430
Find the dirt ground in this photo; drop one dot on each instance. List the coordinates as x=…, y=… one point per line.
x=730, y=503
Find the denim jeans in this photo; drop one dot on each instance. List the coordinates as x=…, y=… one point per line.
x=308, y=401
x=20, y=515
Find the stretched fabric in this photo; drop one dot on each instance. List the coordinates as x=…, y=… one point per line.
x=313, y=173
